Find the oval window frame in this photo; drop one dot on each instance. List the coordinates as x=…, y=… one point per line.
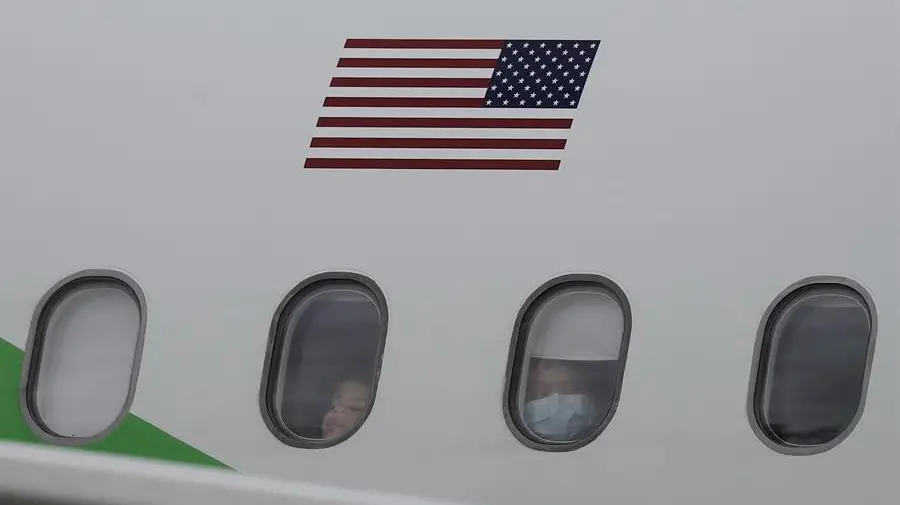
x=39, y=322
x=758, y=370
x=529, y=308
x=275, y=347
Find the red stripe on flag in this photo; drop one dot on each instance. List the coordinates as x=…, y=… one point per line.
x=436, y=143
x=373, y=101
x=430, y=164
x=416, y=63
x=423, y=44
x=437, y=122
x=408, y=82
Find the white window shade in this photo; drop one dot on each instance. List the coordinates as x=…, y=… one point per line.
x=86, y=353
x=578, y=324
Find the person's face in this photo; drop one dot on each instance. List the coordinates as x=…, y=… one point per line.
x=553, y=378
x=347, y=407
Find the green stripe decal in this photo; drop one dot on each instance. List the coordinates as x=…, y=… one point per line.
x=134, y=437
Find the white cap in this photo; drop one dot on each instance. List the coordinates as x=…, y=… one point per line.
x=580, y=324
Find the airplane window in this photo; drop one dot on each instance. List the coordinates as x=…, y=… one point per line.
x=813, y=355
x=324, y=358
x=567, y=361
x=83, y=356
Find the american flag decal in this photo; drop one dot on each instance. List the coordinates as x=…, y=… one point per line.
x=445, y=104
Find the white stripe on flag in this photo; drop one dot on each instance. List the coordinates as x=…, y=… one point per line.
x=409, y=92
x=421, y=53
x=459, y=154
x=483, y=73
x=442, y=133
x=474, y=112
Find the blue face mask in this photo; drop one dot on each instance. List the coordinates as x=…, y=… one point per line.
x=558, y=417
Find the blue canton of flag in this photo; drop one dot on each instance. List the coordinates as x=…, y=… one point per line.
x=541, y=74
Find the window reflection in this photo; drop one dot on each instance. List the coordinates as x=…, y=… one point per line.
x=84, y=356
x=813, y=366
x=330, y=349
x=570, y=364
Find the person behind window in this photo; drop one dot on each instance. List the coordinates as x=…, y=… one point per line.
x=557, y=409
x=348, y=404
x=573, y=349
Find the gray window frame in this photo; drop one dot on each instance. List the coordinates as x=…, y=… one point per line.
x=761, y=349
x=517, y=349
x=275, y=347
x=33, y=349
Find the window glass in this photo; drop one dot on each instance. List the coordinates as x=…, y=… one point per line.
x=84, y=357
x=813, y=365
x=326, y=357
x=569, y=363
